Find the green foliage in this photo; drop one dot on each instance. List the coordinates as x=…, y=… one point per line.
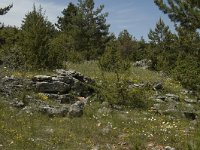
x=161, y=50
x=161, y=35
x=117, y=91
x=4, y=10
x=112, y=61
x=141, y=51
x=66, y=22
x=10, y=52
x=185, y=12
x=70, y=32
x=58, y=50
x=36, y=131
x=178, y=54
x=187, y=66
x=13, y=57
x=34, y=40
x=9, y=36
x=85, y=28
x=128, y=45
x=194, y=143
x=187, y=71
x=188, y=42
x=137, y=99
x=75, y=57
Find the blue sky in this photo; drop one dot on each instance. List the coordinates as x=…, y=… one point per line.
x=137, y=16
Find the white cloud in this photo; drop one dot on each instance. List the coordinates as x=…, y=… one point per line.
x=21, y=7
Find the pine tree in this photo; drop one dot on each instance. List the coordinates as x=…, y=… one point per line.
x=128, y=45
x=160, y=34
x=185, y=12
x=94, y=29
x=36, y=32
x=8, y=46
x=188, y=42
x=4, y=10
x=67, y=21
x=70, y=25
x=141, y=53
x=186, y=15
x=162, y=42
x=111, y=60
x=85, y=28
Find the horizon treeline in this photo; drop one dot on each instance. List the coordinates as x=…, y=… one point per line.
x=82, y=33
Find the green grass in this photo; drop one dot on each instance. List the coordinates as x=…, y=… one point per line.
x=136, y=75
x=121, y=130
x=127, y=129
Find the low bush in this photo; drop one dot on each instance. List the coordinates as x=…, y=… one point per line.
x=187, y=71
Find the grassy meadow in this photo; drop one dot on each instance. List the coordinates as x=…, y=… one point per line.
x=123, y=129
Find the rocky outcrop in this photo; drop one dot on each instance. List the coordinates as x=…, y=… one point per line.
x=64, y=82
x=66, y=87
x=166, y=98
x=171, y=105
x=52, y=87
x=54, y=112
x=62, y=98
x=11, y=84
x=61, y=94
x=145, y=64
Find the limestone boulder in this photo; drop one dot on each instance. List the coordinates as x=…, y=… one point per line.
x=76, y=109
x=52, y=87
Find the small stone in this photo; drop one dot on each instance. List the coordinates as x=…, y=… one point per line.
x=27, y=110
x=76, y=109
x=145, y=63
x=18, y=104
x=82, y=99
x=161, y=97
x=63, y=72
x=41, y=78
x=52, y=112
x=191, y=101
x=158, y=100
x=172, y=97
x=156, y=106
x=169, y=148
x=135, y=85
x=158, y=86
x=105, y=104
